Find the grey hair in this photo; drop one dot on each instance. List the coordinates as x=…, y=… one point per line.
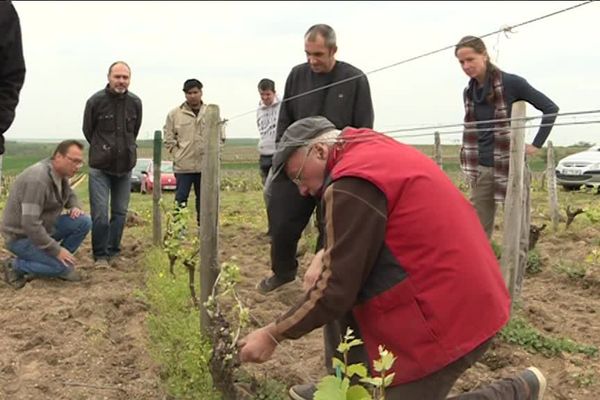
x=327, y=137
x=324, y=31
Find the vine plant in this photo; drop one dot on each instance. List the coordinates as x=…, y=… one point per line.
x=224, y=360
x=339, y=387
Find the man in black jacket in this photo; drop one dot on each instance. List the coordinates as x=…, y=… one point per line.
x=111, y=123
x=345, y=104
x=12, y=66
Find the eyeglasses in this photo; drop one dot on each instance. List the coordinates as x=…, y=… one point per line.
x=298, y=179
x=76, y=161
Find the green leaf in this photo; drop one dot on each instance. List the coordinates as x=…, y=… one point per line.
x=378, y=365
x=357, y=369
x=387, y=360
x=331, y=388
x=389, y=379
x=357, y=392
x=336, y=362
x=373, y=381
x=355, y=342
x=343, y=347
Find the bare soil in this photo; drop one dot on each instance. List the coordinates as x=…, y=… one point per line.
x=87, y=340
x=62, y=340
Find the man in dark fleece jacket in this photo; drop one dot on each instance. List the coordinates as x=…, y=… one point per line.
x=346, y=104
x=111, y=123
x=12, y=66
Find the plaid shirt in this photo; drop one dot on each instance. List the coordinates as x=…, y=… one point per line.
x=469, y=153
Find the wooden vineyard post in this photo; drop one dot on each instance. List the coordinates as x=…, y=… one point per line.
x=437, y=149
x=513, y=205
x=552, y=192
x=209, y=212
x=156, y=191
x=1, y=164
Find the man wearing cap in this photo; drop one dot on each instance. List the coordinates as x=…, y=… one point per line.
x=111, y=124
x=395, y=261
x=346, y=104
x=185, y=136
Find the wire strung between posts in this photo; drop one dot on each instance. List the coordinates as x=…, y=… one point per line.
x=425, y=127
x=351, y=78
x=500, y=129
x=372, y=136
x=491, y=121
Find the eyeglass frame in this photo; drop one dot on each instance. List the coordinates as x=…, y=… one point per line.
x=298, y=178
x=78, y=163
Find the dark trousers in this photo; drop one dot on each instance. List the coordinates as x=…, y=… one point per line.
x=264, y=164
x=437, y=385
x=183, y=186
x=288, y=214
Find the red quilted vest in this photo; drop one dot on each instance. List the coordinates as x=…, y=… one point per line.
x=452, y=297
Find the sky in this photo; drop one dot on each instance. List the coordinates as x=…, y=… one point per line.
x=230, y=46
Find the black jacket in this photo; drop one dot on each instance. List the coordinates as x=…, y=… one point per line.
x=346, y=104
x=111, y=123
x=12, y=66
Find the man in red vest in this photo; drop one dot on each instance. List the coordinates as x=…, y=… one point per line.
x=406, y=262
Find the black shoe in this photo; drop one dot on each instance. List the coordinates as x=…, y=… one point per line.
x=272, y=283
x=13, y=277
x=535, y=382
x=303, y=392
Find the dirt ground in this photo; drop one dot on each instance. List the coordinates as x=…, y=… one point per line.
x=62, y=340
x=65, y=341
x=554, y=304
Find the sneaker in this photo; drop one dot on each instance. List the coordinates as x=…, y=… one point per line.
x=101, y=263
x=535, y=382
x=303, y=392
x=272, y=282
x=13, y=277
x=117, y=261
x=72, y=275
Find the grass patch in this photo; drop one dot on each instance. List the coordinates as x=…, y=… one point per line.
x=518, y=331
x=573, y=270
x=534, y=262
x=174, y=330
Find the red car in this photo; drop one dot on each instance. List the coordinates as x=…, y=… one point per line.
x=167, y=177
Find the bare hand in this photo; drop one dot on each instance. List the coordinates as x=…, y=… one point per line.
x=75, y=212
x=530, y=149
x=258, y=346
x=314, y=271
x=65, y=257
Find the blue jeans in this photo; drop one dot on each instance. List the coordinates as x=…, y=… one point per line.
x=107, y=234
x=184, y=184
x=32, y=260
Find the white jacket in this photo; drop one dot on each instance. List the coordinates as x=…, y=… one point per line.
x=266, y=121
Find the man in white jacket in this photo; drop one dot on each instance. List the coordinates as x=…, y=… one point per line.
x=266, y=122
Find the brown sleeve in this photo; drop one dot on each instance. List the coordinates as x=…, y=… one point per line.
x=355, y=218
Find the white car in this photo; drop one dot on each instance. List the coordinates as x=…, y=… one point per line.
x=579, y=169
